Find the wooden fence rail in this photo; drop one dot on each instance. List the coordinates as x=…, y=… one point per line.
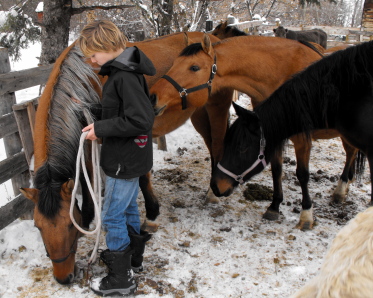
x=17, y=129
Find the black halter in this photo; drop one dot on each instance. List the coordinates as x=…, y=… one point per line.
x=184, y=92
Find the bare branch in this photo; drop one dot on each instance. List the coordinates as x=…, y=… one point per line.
x=81, y=9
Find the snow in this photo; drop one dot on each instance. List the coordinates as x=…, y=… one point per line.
x=202, y=250
x=40, y=7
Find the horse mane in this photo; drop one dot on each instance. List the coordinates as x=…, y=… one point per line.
x=311, y=98
x=192, y=49
x=59, y=125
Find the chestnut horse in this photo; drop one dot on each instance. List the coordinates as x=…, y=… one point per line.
x=256, y=66
x=59, y=121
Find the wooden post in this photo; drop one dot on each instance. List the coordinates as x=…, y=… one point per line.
x=12, y=143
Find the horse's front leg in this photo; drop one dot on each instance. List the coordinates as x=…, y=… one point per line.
x=347, y=176
x=273, y=211
x=151, y=200
x=211, y=122
x=302, y=148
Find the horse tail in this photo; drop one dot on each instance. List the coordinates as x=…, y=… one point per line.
x=312, y=46
x=360, y=165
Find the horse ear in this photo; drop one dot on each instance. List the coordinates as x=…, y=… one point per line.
x=187, y=40
x=274, y=30
x=30, y=193
x=206, y=45
x=239, y=110
x=224, y=25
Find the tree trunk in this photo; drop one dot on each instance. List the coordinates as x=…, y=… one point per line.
x=55, y=33
x=166, y=11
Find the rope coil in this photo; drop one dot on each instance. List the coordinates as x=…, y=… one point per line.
x=95, y=193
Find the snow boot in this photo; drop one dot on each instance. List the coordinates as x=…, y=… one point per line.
x=138, y=245
x=120, y=280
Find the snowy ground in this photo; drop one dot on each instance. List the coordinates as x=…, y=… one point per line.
x=222, y=250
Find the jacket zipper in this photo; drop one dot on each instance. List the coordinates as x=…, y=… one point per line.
x=118, y=170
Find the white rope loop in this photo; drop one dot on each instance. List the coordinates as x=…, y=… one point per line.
x=95, y=193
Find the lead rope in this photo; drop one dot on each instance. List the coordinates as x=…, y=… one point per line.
x=96, y=193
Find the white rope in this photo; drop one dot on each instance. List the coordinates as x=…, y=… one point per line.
x=96, y=193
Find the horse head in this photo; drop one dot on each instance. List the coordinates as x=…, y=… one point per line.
x=223, y=31
x=280, y=31
x=187, y=84
x=59, y=235
x=243, y=156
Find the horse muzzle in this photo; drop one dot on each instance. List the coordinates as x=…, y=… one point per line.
x=158, y=110
x=221, y=188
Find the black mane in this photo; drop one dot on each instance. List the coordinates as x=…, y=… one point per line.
x=49, y=182
x=191, y=50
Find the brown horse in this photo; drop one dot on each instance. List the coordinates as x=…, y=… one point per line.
x=256, y=66
x=59, y=121
x=223, y=31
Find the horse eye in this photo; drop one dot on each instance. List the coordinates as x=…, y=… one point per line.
x=194, y=68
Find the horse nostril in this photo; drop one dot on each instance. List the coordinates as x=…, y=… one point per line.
x=159, y=111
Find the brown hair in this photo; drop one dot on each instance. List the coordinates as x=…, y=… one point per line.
x=101, y=36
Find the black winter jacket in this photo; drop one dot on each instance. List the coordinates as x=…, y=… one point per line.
x=127, y=116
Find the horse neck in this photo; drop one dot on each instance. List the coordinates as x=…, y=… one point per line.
x=260, y=64
x=283, y=115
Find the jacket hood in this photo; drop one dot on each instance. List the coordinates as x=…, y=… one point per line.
x=131, y=59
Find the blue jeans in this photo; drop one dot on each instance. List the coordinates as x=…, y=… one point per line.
x=120, y=212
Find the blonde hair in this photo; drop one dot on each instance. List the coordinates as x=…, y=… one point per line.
x=101, y=36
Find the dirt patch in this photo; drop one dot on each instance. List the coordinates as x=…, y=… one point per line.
x=172, y=175
x=258, y=192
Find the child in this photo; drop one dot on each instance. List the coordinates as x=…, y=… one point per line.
x=126, y=154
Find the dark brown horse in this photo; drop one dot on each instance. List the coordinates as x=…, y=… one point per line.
x=256, y=66
x=59, y=121
x=314, y=35
x=336, y=92
x=223, y=31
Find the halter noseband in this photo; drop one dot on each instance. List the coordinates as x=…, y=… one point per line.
x=184, y=92
x=261, y=159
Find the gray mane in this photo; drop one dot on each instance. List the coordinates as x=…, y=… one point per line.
x=65, y=123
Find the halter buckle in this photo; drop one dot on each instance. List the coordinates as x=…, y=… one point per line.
x=183, y=93
x=214, y=69
x=239, y=179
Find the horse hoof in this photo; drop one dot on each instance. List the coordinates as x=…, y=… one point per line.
x=150, y=227
x=304, y=225
x=271, y=215
x=338, y=199
x=306, y=220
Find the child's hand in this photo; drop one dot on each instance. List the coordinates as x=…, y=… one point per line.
x=91, y=132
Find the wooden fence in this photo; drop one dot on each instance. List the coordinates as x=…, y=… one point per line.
x=16, y=130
